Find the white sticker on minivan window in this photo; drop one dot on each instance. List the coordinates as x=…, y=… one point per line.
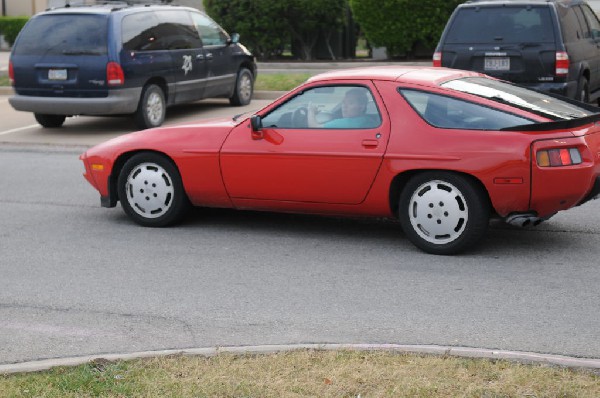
x=187, y=64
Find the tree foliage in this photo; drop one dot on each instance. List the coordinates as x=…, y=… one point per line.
x=267, y=25
x=400, y=25
x=11, y=26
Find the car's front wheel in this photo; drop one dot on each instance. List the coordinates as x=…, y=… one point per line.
x=151, y=191
x=244, y=88
x=443, y=212
x=152, y=107
x=50, y=121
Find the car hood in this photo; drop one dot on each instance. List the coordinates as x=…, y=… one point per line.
x=205, y=135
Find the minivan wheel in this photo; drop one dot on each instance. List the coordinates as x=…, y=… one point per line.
x=152, y=107
x=50, y=121
x=244, y=87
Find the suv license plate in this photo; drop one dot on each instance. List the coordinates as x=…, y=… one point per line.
x=496, y=63
x=57, y=74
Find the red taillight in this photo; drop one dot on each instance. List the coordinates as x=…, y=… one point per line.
x=562, y=63
x=11, y=73
x=437, y=59
x=114, y=74
x=558, y=157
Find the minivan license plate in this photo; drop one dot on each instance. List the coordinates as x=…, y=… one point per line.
x=496, y=63
x=57, y=74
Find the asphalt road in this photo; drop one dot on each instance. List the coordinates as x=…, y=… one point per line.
x=78, y=279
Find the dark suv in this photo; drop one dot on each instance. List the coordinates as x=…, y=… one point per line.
x=548, y=45
x=122, y=59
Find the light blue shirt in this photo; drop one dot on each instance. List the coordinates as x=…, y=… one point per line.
x=359, y=122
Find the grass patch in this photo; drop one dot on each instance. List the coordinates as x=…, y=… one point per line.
x=305, y=374
x=279, y=81
x=4, y=81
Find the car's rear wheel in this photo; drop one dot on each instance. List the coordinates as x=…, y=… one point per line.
x=583, y=90
x=443, y=212
x=151, y=191
x=152, y=108
x=50, y=121
x=244, y=88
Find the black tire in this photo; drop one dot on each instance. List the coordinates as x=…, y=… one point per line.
x=50, y=121
x=583, y=90
x=443, y=213
x=244, y=87
x=151, y=191
x=152, y=108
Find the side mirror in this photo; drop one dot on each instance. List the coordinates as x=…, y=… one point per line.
x=235, y=38
x=256, y=124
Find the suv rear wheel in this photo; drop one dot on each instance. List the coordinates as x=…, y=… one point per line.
x=152, y=107
x=243, y=88
x=50, y=121
x=583, y=90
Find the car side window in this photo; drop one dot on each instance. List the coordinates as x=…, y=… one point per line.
x=570, y=25
x=582, y=22
x=451, y=113
x=210, y=33
x=327, y=107
x=178, y=31
x=592, y=21
x=140, y=32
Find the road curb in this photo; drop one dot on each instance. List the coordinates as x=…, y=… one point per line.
x=6, y=90
x=465, y=352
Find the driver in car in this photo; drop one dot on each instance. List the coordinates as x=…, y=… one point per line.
x=353, y=107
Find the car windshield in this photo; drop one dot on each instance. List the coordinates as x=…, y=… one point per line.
x=64, y=35
x=519, y=97
x=503, y=24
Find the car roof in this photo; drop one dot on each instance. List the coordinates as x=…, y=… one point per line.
x=474, y=3
x=112, y=8
x=427, y=75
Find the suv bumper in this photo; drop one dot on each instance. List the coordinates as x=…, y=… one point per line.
x=567, y=89
x=118, y=102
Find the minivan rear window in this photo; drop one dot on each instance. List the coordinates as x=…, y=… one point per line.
x=505, y=24
x=62, y=34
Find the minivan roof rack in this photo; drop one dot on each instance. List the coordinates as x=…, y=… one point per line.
x=74, y=3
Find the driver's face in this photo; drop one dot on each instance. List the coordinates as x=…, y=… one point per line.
x=352, y=106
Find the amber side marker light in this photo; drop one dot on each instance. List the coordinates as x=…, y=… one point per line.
x=558, y=157
x=97, y=167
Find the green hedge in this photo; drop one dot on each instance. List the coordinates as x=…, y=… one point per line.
x=403, y=25
x=11, y=26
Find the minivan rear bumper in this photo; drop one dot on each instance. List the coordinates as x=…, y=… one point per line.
x=567, y=89
x=121, y=101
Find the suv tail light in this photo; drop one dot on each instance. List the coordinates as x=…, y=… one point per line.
x=11, y=73
x=437, y=59
x=562, y=63
x=114, y=74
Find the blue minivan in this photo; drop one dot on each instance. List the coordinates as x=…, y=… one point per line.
x=123, y=59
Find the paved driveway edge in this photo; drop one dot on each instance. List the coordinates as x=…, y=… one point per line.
x=466, y=352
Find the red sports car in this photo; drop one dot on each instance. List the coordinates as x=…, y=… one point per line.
x=440, y=149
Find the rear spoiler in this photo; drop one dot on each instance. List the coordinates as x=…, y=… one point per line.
x=561, y=124
x=558, y=125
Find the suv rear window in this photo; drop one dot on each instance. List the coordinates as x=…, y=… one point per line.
x=64, y=35
x=506, y=24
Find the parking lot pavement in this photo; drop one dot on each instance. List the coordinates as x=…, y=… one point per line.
x=4, y=55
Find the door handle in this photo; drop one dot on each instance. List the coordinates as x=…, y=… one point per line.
x=370, y=143
x=199, y=57
x=209, y=56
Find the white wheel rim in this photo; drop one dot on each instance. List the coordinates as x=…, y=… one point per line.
x=149, y=190
x=438, y=212
x=154, y=108
x=245, y=87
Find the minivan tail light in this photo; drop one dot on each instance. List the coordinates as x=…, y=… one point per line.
x=562, y=63
x=11, y=73
x=437, y=59
x=114, y=74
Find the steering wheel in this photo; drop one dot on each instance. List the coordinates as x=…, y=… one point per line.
x=300, y=117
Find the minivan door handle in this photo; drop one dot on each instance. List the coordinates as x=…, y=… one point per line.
x=209, y=56
x=199, y=57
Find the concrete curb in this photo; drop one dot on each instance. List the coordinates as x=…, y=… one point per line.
x=6, y=90
x=465, y=352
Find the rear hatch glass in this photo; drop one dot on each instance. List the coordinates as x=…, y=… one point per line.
x=62, y=55
x=513, y=42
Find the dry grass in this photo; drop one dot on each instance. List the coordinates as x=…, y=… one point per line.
x=306, y=374
x=279, y=81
